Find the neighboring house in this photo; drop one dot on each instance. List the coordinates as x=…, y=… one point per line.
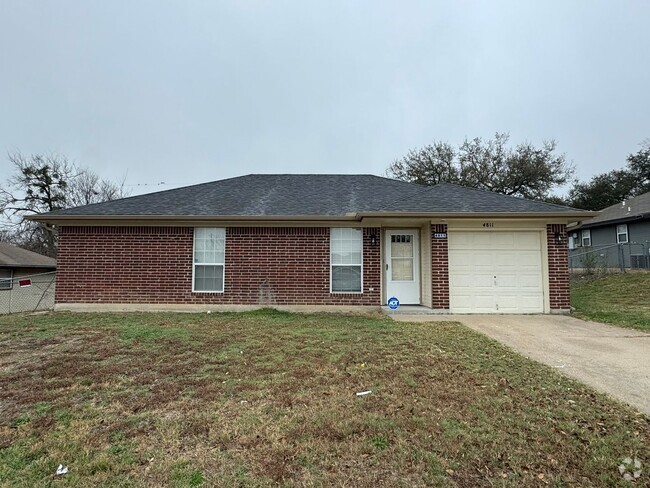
x=26, y=280
x=619, y=236
x=317, y=241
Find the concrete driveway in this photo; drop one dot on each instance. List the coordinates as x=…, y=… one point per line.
x=611, y=359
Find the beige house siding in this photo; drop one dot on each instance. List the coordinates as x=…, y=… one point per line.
x=425, y=265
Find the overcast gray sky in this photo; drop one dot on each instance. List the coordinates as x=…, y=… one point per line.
x=185, y=92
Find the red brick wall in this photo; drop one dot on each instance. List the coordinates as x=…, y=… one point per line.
x=278, y=265
x=558, y=267
x=439, y=269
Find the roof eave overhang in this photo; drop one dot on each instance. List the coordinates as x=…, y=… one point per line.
x=568, y=215
x=618, y=220
x=350, y=217
x=26, y=265
x=180, y=219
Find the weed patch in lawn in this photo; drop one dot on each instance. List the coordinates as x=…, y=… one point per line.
x=268, y=399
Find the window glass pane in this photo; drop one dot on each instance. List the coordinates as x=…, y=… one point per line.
x=355, y=257
x=208, y=278
x=346, y=278
x=401, y=246
x=5, y=279
x=346, y=246
x=402, y=269
x=335, y=249
x=209, y=245
x=209, y=256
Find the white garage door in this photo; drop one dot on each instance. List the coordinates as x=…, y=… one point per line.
x=495, y=272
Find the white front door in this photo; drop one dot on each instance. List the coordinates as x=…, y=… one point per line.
x=402, y=265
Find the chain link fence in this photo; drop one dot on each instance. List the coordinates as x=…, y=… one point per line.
x=613, y=257
x=28, y=293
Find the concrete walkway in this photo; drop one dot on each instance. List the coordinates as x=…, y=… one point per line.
x=611, y=359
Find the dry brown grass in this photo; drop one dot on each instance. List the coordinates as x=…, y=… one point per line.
x=268, y=399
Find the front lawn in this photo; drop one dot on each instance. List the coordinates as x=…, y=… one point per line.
x=268, y=399
x=617, y=299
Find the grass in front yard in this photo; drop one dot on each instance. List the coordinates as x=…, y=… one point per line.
x=268, y=399
x=617, y=299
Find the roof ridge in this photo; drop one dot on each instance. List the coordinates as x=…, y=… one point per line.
x=323, y=194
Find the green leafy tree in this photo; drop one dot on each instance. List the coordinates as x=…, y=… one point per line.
x=610, y=188
x=523, y=170
x=639, y=165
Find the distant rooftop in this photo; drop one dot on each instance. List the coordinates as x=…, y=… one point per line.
x=286, y=195
x=17, y=257
x=632, y=208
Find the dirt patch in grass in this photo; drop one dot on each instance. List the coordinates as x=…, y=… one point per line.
x=268, y=399
x=617, y=299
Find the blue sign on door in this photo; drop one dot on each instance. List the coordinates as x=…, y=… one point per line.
x=393, y=303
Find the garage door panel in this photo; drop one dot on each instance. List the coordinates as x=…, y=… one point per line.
x=530, y=281
x=506, y=280
x=461, y=258
x=480, y=240
x=508, y=303
x=481, y=256
x=513, y=257
x=470, y=302
x=467, y=281
x=504, y=259
x=528, y=240
x=502, y=240
x=527, y=258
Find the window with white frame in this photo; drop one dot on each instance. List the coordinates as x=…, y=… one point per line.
x=586, y=238
x=6, y=276
x=346, y=258
x=621, y=234
x=209, y=259
x=577, y=239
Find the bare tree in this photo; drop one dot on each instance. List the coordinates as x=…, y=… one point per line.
x=43, y=184
x=87, y=188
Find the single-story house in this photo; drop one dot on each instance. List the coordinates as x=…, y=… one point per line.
x=326, y=241
x=618, y=236
x=26, y=280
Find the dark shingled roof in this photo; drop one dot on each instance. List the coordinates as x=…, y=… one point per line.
x=17, y=257
x=309, y=195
